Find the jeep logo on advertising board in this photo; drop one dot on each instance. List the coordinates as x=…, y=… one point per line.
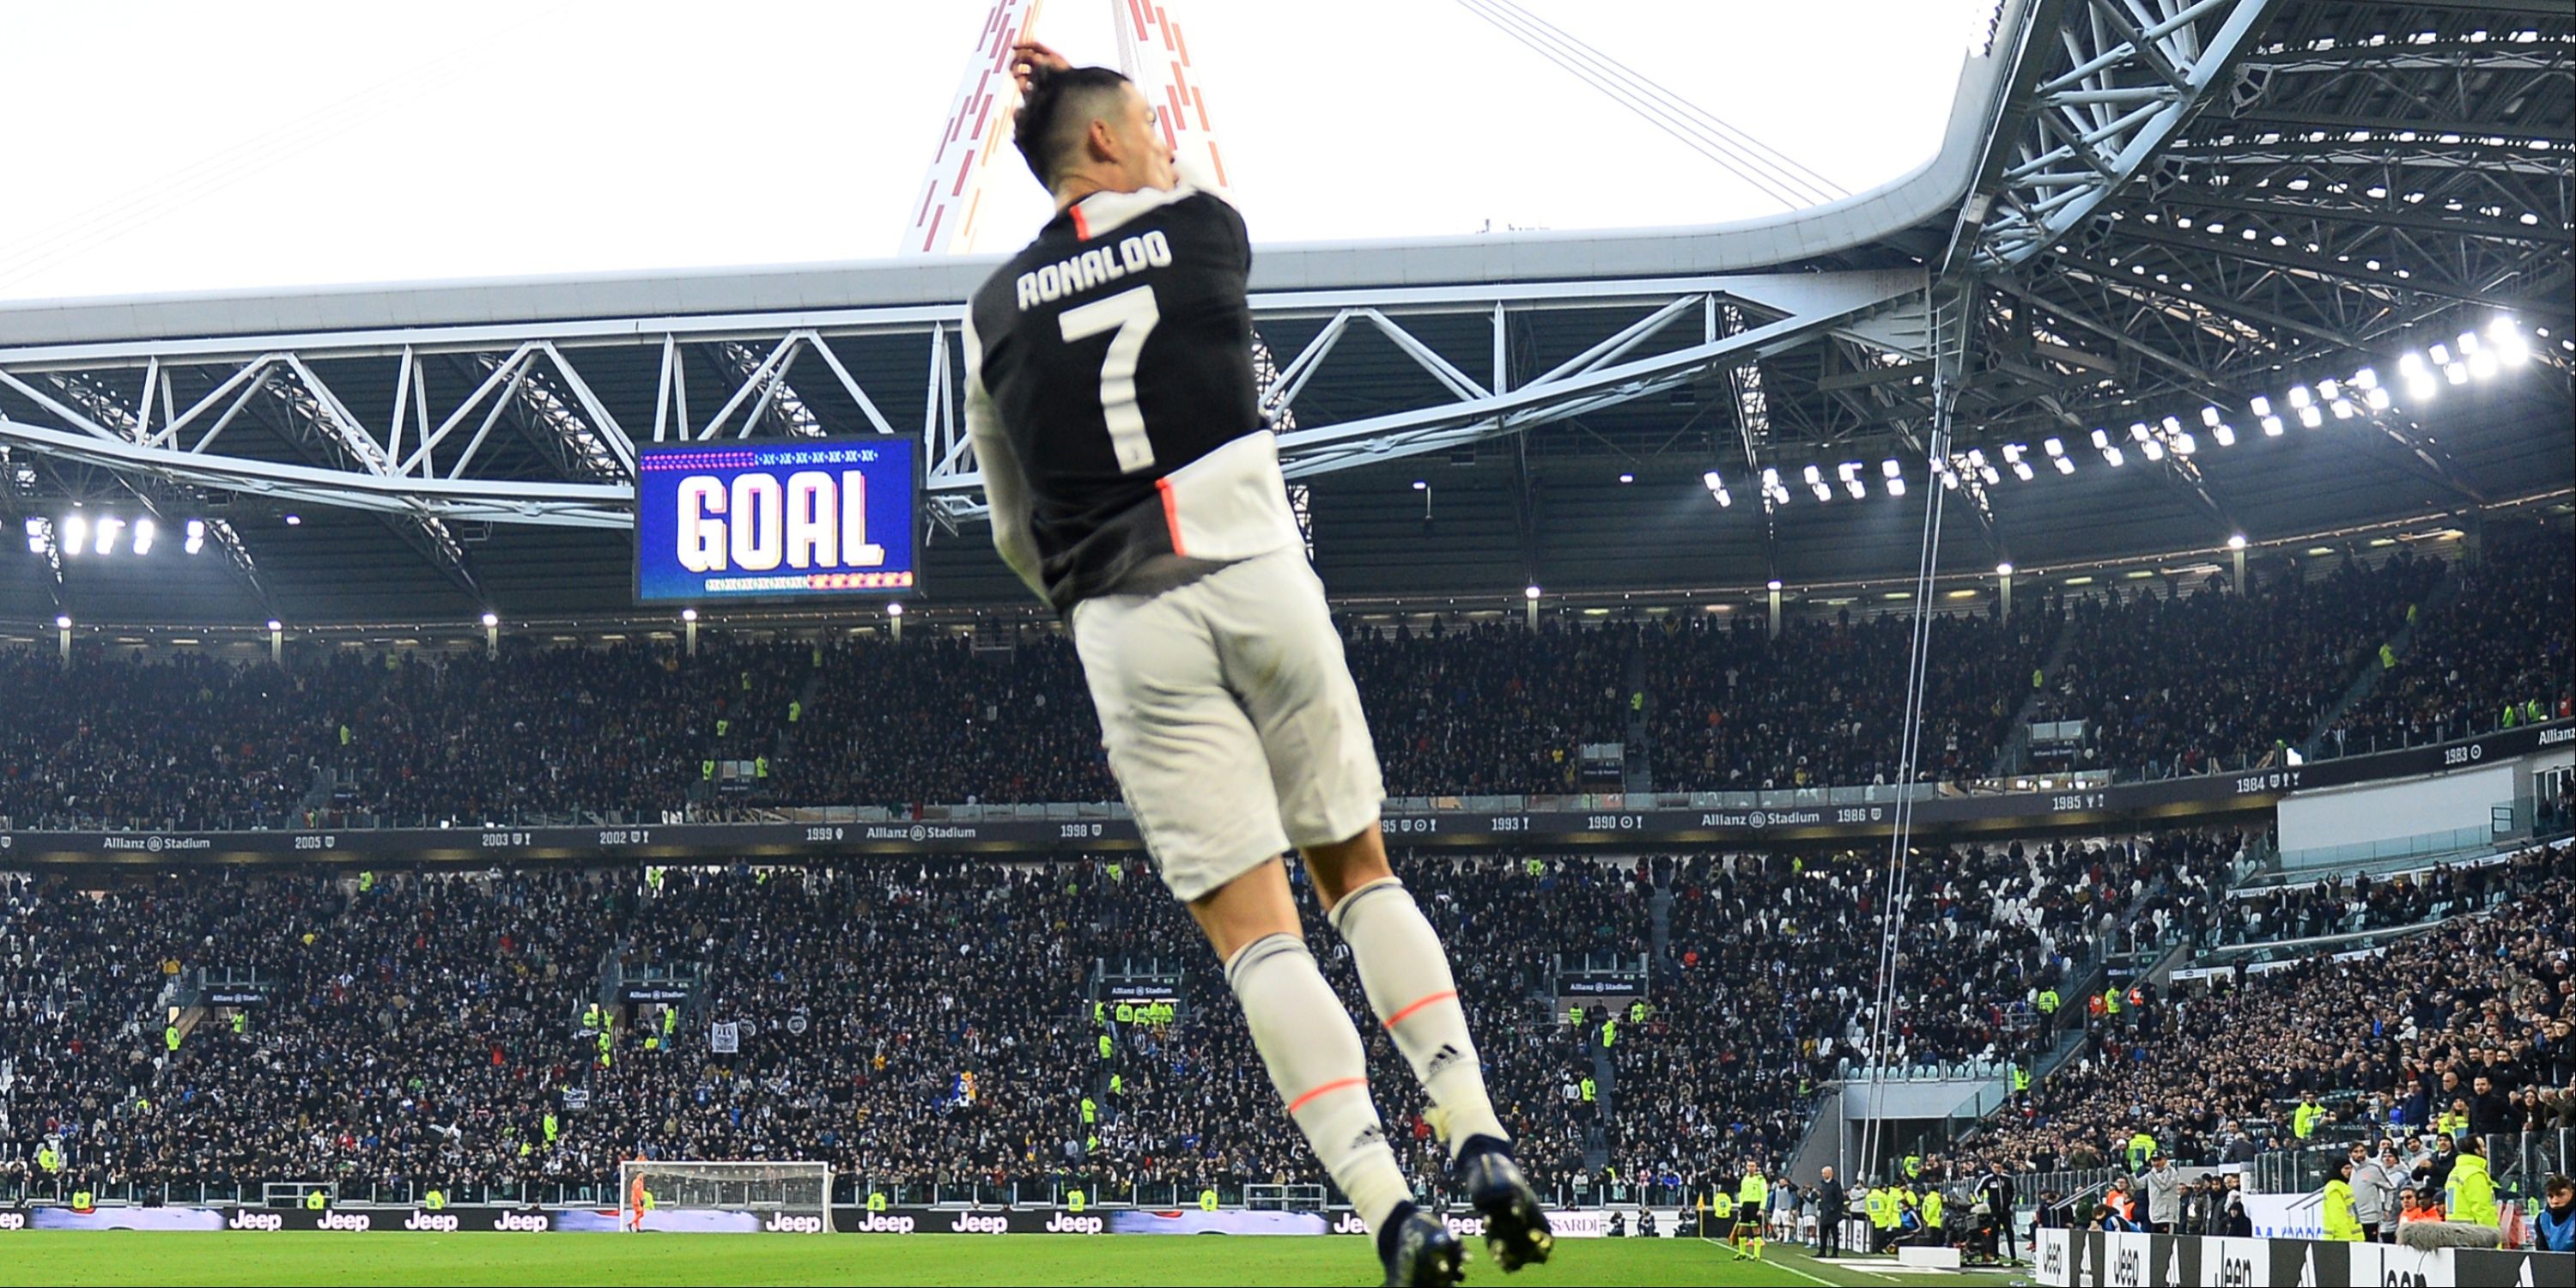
x=255, y=1221
x=13, y=1220
x=1061, y=1223
x=342, y=1221
x=441, y=1222
x=969, y=1223
x=781, y=1223
x=530, y=1222
x=2235, y=1272
x=880, y=1223
x=1349, y=1223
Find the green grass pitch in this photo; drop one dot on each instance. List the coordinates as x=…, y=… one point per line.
x=345, y=1260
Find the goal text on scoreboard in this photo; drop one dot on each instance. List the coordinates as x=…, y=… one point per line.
x=775, y=520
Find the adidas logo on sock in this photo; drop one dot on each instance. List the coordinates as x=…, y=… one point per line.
x=1441, y=1059
x=1372, y=1134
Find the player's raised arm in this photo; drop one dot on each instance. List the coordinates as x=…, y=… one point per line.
x=1006, y=486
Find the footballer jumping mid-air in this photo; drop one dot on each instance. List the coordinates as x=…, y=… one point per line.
x=1134, y=487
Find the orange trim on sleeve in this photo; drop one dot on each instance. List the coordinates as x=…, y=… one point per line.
x=1171, y=514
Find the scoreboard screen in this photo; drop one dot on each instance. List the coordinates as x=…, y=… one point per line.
x=807, y=519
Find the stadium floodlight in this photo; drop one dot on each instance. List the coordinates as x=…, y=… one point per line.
x=273, y=624
x=2101, y=440
x=1775, y=583
x=1530, y=591
x=2064, y=466
x=39, y=532
x=2261, y=406
x=1627, y=478
x=2004, y=569
x=1711, y=481
x=1894, y=474
x=2054, y=446
x=2311, y=417
x=491, y=619
x=2209, y=417
x=2236, y=541
x=1723, y=500
x=688, y=614
x=2300, y=397
x=2184, y=444
x=2224, y=433
x=2155, y=451
x=196, y=535
x=2482, y=364
x=62, y=621
x=2113, y=455
x=2329, y=390
x=144, y=531
x=1421, y=485
x=1849, y=473
x=2272, y=426
x=108, y=528
x=895, y=609
x=75, y=535
x=2377, y=399
x=2508, y=341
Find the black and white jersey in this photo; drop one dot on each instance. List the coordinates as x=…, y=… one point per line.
x=1110, y=395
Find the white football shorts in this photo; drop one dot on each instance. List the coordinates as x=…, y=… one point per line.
x=1230, y=717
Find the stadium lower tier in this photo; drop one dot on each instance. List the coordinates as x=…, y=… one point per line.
x=921, y=1025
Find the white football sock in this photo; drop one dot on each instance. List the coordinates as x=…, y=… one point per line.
x=1317, y=1063
x=1406, y=975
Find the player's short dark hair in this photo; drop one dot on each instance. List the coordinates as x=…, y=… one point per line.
x=1057, y=113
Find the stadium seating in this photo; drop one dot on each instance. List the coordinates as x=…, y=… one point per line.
x=2211, y=1073
x=419, y=1030
x=2166, y=684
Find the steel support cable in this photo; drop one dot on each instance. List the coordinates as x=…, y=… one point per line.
x=1725, y=154
x=1783, y=167
x=1909, y=752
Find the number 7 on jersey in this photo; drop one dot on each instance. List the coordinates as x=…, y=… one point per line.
x=1132, y=313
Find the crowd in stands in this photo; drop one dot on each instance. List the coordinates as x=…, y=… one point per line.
x=1823, y=705
x=2472, y=1017
x=2496, y=659
x=914, y=1023
x=2164, y=682
x=925, y=1023
x=2340, y=905
x=2170, y=684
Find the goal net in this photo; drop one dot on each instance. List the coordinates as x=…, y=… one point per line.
x=739, y=1196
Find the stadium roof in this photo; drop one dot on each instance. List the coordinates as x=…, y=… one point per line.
x=2124, y=225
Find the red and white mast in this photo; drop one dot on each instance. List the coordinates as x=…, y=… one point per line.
x=1152, y=51
x=978, y=121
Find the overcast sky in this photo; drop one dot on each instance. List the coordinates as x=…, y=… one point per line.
x=176, y=147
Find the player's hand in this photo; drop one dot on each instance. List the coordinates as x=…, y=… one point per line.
x=1029, y=55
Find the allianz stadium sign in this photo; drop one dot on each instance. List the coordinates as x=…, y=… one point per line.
x=2172, y=799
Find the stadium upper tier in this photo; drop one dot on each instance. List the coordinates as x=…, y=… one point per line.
x=2162, y=683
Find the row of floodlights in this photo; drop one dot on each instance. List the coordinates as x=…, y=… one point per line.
x=2422, y=373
